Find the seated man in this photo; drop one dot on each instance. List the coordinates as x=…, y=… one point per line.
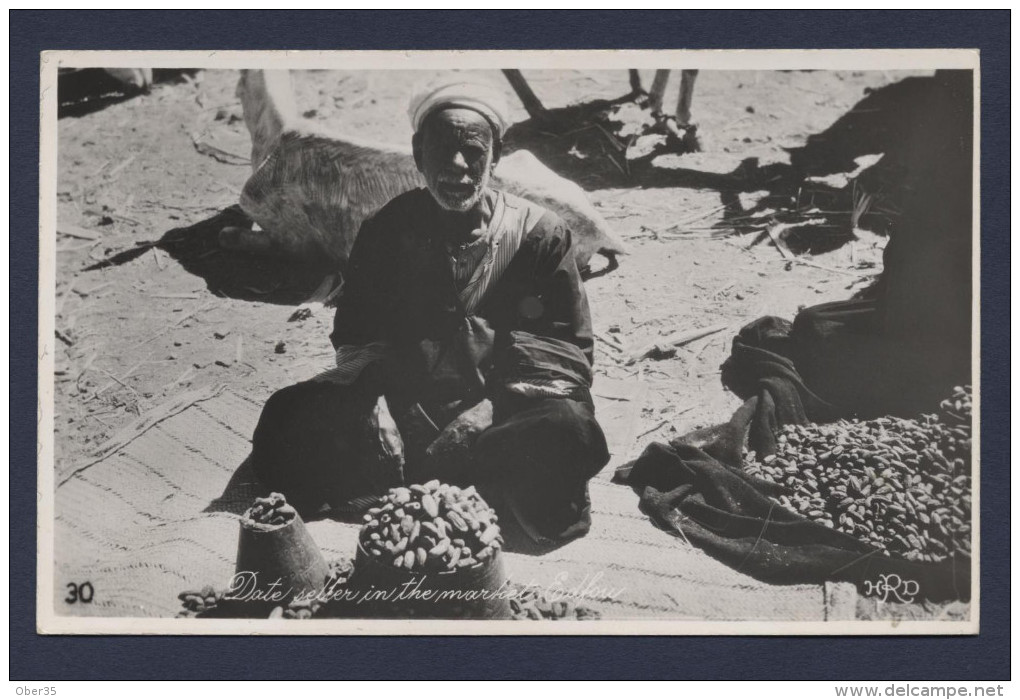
x=463, y=346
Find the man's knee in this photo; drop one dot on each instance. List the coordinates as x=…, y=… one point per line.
x=568, y=419
x=292, y=414
x=302, y=438
x=557, y=430
x=284, y=405
x=573, y=416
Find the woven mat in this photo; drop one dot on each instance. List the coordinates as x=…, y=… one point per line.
x=156, y=512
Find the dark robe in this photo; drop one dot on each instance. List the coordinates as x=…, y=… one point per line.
x=530, y=332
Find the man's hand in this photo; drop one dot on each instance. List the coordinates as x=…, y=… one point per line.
x=460, y=435
x=388, y=445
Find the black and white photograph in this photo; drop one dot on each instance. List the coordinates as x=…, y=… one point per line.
x=509, y=342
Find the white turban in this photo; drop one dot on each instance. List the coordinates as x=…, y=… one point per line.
x=484, y=98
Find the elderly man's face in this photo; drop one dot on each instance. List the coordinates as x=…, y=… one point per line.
x=454, y=151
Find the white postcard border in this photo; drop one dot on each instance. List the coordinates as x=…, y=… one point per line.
x=47, y=622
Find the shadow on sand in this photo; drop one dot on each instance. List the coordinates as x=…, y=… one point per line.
x=228, y=273
x=897, y=120
x=93, y=89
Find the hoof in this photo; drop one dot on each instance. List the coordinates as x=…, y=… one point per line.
x=681, y=139
x=638, y=97
x=690, y=141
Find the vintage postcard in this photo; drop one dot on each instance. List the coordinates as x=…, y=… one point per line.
x=515, y=343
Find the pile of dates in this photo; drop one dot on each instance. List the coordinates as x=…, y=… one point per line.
x=431, y=527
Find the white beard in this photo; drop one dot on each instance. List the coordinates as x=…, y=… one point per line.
x=465, y=203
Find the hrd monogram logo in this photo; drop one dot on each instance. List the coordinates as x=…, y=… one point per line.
x=892, y=587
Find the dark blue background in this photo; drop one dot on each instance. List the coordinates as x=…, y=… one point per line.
x=983, y=656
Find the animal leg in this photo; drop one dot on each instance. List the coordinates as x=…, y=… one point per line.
x=683, y=105
x=689, y=140
x=635, y=82
x=527, y=96
x=681, y=134
x=659, y=83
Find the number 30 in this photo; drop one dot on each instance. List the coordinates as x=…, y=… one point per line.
x=79, y=593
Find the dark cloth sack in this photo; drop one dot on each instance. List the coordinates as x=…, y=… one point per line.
x=839, y=360
x=695, y=485
x=728, y=514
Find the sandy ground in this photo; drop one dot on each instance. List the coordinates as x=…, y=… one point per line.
x=135, y=334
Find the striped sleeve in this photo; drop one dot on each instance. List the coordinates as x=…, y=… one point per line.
x=351, y=360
